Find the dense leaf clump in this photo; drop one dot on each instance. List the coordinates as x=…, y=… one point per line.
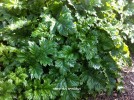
x=62, y=49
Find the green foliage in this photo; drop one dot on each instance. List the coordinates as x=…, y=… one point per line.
x=62, y=49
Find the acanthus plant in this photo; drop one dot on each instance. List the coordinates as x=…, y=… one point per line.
x=48, y=44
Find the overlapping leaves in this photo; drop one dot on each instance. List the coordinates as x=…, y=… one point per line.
x=64, y=48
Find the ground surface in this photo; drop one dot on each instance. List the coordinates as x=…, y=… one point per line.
x=128, y=94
